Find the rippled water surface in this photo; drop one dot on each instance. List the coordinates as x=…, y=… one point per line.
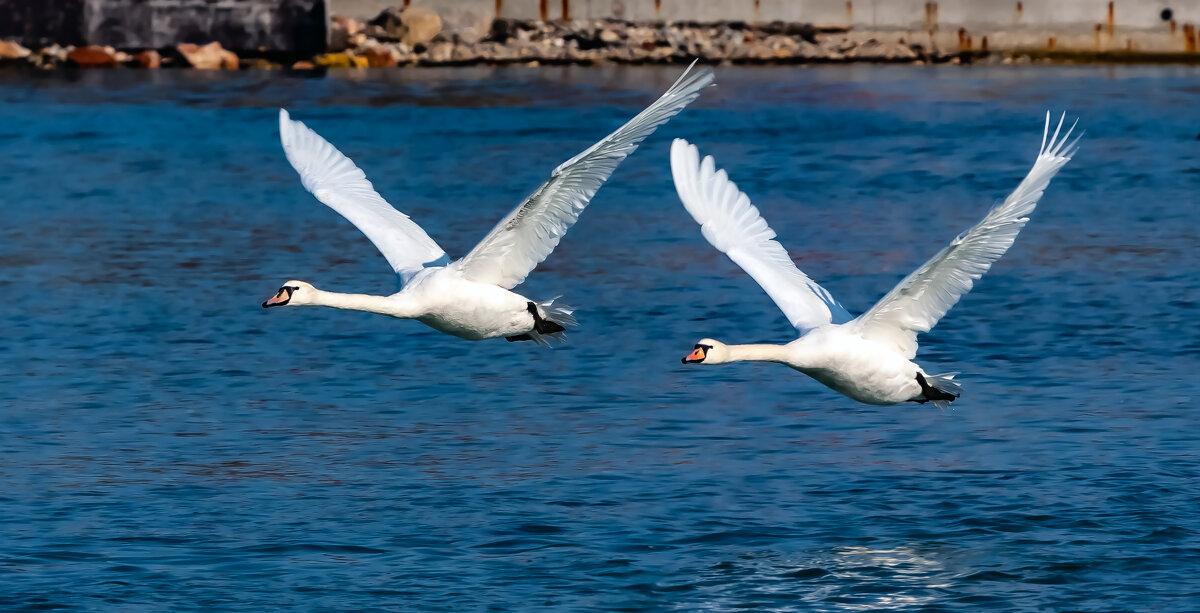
x=169, y=445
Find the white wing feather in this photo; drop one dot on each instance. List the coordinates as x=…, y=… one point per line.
x=734, y=227
x=922, y=298
x=339, y=184
x=527, y=235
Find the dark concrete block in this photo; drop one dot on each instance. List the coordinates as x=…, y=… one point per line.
x=34, y=23
x=296, y=27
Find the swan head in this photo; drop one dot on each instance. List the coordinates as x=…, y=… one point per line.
x=292, y=293
x=707, y=351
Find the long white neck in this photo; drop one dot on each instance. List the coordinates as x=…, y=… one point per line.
x=394, y=306
x=757, y=353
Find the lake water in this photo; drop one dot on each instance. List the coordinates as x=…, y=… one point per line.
x=169, y=445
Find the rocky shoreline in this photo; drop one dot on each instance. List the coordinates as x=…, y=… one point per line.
x=419, y=37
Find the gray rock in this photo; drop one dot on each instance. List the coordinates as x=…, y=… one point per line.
x=412, y=26
x=421, y=24
x=466, y=24
x=439, y=53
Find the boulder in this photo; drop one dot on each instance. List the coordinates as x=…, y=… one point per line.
x=208, y=57
x=439, y=53
x=342, y=31
x=12, y=51
x=93, y=56
x=466, y=23
x=380, y=56
x=491, y=51
x=464, y=54
x=49, y=57
x=149, y=59
x=412, y=26
x=503, y=29
x=260, y=63
x=422, y=26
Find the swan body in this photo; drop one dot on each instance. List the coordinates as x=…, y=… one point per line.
x=868, y=358
x=471, y=297
x=441, y=299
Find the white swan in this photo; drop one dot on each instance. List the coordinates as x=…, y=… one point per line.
x=470, y=297
x=868, y=358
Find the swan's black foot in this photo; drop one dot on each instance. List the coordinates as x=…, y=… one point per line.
x=519, y=337
x=930, y=392
x=540, y=325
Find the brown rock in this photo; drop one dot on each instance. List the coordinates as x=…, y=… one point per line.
x=259, y=63
x=208, y=57
x=93, y=56
x=149, y=59
x=380, y=56
x=342, y=31
x=12, y=51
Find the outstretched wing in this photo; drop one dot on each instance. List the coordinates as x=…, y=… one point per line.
x=527, y=235
x=338, y=183
x=734, y=227
x=922, y=298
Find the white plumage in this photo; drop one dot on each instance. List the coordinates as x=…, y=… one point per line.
x=532, y=230
x=470, y=297
x=735, y=228
x=868, y=358
x=339, y=184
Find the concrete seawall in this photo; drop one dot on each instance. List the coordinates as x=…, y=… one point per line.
x=1161, y=26
x=357, y=33
x=879, y=14
x=1035, y=25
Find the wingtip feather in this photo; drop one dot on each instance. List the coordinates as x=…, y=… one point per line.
x=1056, y=147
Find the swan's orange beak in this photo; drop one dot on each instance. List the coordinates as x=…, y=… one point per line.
x=695, y=356
x=280, y=298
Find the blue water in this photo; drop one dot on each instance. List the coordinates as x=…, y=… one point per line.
x=169, y=445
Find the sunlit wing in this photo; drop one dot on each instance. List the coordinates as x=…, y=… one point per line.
x=922, y=298
x=339, y=184
x=527, y=235
x=734, y=227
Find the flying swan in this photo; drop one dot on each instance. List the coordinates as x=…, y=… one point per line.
x=870, y=357
x=469, y=298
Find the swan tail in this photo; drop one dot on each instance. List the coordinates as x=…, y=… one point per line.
x=550, y=321
x=559, y=313
x=940, y=389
